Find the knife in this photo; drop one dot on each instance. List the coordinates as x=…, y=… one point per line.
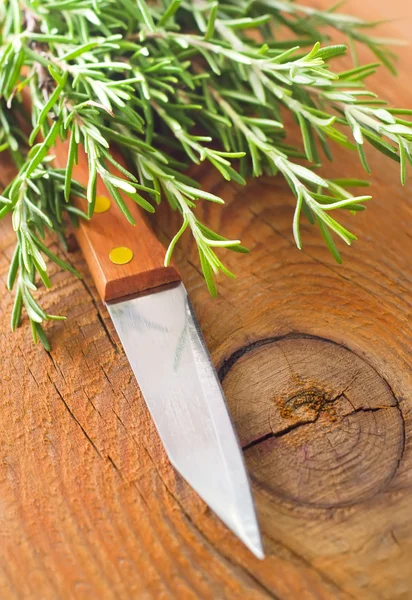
x=161, y=337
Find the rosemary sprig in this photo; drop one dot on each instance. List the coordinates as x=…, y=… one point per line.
x=170, y=83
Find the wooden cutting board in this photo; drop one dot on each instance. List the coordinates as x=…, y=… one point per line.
x=315, y=359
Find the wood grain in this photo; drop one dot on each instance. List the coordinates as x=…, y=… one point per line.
x=109, y=230
x=315, y=359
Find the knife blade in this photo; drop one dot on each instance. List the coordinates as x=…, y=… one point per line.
x=158, y=329
x=163, y=342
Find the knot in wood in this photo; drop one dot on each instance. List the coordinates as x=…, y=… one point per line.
x=317, y=423
x=307, y=405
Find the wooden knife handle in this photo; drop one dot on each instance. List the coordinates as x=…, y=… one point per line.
x=109, y=237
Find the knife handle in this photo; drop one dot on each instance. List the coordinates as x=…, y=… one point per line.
x=109, y=239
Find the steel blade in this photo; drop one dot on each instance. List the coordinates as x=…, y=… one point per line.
x=166, y=350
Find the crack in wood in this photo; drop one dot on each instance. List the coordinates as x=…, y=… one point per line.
x=278, y=434
x=100, y=316
x=73, y=416
x=116, y=468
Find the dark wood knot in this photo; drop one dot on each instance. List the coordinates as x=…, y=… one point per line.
x=317, y=423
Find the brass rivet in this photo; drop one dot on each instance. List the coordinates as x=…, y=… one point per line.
x=102, y=204
x=121, y=255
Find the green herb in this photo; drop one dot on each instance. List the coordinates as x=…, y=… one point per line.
x=175, y=82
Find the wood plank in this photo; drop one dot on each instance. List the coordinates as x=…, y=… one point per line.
x=315, y=361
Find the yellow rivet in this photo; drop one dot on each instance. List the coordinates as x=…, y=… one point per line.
x=121, y=255
x=102, y=204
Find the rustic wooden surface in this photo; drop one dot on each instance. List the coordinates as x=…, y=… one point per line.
x=315, y=359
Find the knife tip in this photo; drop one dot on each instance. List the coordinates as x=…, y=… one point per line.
x=255, y=546
x=250, y=536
